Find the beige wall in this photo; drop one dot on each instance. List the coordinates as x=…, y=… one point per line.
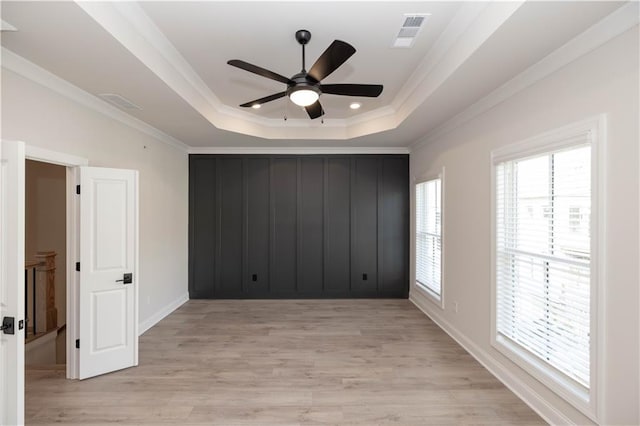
x=46, y=221
x=603, y=81
x=43, y=118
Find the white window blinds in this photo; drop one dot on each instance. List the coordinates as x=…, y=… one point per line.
x=543, y=257
x=429, y=236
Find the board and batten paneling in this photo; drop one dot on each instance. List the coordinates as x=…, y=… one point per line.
x=337, y=225
x=310, y=222
x=393, y=208
x=202, y=226
x=257, y=214
x=229, y=247
x=364, y=226
x=283, y=194
x=298, y=226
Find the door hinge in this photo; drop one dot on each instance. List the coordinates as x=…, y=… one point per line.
x=78, y=189
x=77, y=343
x=78, y=266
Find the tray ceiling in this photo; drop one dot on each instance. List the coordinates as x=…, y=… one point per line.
x=170, y=58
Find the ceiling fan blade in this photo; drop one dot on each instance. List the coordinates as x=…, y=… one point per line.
x=314, y=110
x=264, y=100
x=336, y=54
x=260, y=71
x=366, y=90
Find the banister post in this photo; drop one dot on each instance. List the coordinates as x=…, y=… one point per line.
x=47, y=278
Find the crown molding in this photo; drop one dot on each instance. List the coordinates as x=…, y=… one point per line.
x=472, y=25
x=297, y=150
x=619, y=21
x=463, y=18
x=470, y=28
x=374, y=121
x=5, y=26
x=376, y=114
x=128, y=24
x=21, y=66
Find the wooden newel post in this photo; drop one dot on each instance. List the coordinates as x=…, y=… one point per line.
x=47, y=290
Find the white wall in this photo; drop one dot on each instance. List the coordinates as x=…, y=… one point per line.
x=603, y=81
x=43, y=118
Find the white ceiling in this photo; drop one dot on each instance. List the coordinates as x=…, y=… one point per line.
x=170, y=59
x=272, y=45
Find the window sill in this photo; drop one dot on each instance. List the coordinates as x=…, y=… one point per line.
x=430, y=295
x=574, y=393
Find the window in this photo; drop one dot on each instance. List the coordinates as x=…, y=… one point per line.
x=543, y=262
x=575, y=219
x=429, y=237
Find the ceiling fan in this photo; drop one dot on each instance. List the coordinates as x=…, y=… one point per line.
x=304, y=89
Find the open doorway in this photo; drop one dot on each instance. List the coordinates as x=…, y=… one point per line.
x=109, y=237
x=45, y=265
x=62, y=168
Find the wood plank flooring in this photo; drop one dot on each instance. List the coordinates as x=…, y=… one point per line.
x=286, y=362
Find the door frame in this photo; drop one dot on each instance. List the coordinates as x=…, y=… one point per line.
x=71, y=162
x=13, y=241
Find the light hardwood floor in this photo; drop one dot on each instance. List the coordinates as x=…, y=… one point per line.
x=263, y=362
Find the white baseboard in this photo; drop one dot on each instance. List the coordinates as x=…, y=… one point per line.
x=158, y=316
x=528, y=395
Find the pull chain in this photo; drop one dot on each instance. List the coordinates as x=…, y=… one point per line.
x=286, y=109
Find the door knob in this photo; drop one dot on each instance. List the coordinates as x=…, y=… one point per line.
x=126, y=279
x=8, y=325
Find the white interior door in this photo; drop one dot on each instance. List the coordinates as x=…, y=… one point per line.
x=12, y=282
x=108, y=323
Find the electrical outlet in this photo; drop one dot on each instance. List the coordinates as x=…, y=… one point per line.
x=148, y=300
x=455, y=307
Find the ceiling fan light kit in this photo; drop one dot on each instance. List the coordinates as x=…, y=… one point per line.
x=304, y=89
x=303, y=96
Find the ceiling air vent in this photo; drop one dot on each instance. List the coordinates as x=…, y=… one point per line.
x=413, y=21
x=411, y=25
x=119, y=101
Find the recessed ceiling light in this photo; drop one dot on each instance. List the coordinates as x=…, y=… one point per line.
x=355, y=105
x=255, y=106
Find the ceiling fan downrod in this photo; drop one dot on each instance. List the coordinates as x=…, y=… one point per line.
x=303, y=37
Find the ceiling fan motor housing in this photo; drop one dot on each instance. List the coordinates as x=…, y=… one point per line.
x=303, y=36
x=303, y=81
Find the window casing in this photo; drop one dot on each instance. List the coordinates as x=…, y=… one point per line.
x=429, y=237
x=545, y=292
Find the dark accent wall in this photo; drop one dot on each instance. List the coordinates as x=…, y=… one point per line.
x=298, y=226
